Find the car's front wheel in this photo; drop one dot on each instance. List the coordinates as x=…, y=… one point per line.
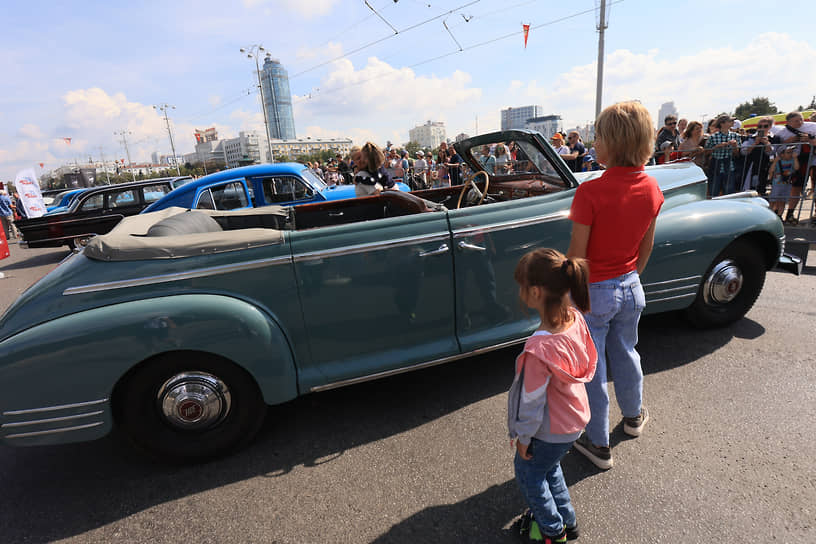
x=730, y=286
x=189, y=406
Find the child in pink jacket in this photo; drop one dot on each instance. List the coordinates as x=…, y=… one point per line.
x=547, y=403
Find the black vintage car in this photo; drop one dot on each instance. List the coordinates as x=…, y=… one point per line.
x=95, y=211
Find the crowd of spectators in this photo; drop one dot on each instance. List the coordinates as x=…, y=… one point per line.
x=774, y=158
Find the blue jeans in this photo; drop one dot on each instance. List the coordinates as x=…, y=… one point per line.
x=616, y=306
x=543, y=486
x=722, y=180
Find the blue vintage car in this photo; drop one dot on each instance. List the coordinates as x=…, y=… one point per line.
x=63, y=200
x=284, y=184
x=181, y=326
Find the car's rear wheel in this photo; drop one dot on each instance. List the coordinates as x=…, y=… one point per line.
x=730, y=286
x=189, y=406
x=75, y=244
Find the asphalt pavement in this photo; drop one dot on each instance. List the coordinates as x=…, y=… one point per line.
x=727, y=457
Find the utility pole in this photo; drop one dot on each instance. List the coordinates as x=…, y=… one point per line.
x=123, y=133
x=602, y=25
x=163, y=109
x=104, y=166
x=252, y=52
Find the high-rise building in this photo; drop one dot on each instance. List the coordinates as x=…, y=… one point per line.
x=665, y=109
x=429, y=135
x=547, y=125
x=517, y=117
x=275, y=84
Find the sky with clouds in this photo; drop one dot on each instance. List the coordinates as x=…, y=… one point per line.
x=86, y=70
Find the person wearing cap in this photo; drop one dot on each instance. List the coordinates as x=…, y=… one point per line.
x=421, y=170
x=801, y=134
x=558, y=144
x=723, y=145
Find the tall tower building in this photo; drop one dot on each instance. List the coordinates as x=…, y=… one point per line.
x=275, y=83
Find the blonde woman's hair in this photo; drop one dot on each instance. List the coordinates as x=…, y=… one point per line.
x=627, y=133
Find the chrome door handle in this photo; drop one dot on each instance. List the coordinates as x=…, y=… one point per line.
x=438, y=251
x=464, y=245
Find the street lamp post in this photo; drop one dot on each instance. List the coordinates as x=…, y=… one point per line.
x=163, y=109
x=123, y=133
x=252, y=52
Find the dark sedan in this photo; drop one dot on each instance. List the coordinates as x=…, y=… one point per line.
x=95, y=211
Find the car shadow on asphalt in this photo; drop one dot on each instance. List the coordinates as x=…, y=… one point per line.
x=56, y=492
x=34, y=261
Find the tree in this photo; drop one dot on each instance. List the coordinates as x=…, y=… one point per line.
x=412, y=147
x=761, y=105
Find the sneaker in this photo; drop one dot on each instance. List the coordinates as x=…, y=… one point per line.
x=633, y=426
x=601, y=456
x=529, y=531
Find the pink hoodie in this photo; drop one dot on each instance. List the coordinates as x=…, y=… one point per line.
x=548, y=398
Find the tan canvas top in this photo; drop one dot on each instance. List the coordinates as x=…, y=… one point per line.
x=129, y=240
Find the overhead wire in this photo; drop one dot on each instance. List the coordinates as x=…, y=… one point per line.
x=467, y=48
x=380, y=40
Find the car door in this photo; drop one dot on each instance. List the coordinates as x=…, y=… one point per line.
x=283, y=190
x=227, y=195
x=376, y=295
x=488, y=241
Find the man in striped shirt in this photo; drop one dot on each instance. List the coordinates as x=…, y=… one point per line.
x=724, y=144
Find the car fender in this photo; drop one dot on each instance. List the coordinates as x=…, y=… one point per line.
x=689, y=236
x=80, y=357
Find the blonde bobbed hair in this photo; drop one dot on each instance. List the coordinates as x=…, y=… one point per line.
x=627, y=133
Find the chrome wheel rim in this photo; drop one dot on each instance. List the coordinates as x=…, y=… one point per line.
x=723, y=283
x=194, y=400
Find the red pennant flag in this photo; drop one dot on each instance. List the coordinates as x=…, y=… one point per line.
x=4, y=248
x=526, y=33
x=67, y=140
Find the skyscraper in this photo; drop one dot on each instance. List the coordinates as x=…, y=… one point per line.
x=275, y=82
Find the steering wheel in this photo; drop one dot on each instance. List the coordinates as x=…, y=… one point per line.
x=471, y=184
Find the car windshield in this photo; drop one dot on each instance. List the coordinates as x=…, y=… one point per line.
x=313, y=179
x=179, y=182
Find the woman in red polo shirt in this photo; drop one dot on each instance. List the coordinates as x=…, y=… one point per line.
x=613, y=227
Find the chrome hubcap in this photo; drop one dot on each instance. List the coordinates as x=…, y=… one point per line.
x=194, y=400
x=723, y=283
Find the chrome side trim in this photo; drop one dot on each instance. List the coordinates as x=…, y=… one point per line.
x=418, y=366
x=372, y=246
x=52, y=408
x=689, y=278
x=467, y=231
x=54, y=431
x=689, y=295
x=673, y=289
x=51, y=419
x=177, y=276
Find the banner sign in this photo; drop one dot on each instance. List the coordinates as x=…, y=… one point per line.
x=4, y=249
x=29, y=190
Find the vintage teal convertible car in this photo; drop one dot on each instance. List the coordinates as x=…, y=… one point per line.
x=181, y=326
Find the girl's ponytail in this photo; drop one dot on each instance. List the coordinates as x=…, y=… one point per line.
x=577, y=273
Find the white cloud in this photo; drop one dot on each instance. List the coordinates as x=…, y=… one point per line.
x=30, y=131
x=305, y=8
x=702, y=84
x=214, y=100
x=331, y=50
x=382, y=102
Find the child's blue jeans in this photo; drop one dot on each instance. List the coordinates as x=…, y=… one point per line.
x=543, y=486
x=616, y=306
x=724, y=180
